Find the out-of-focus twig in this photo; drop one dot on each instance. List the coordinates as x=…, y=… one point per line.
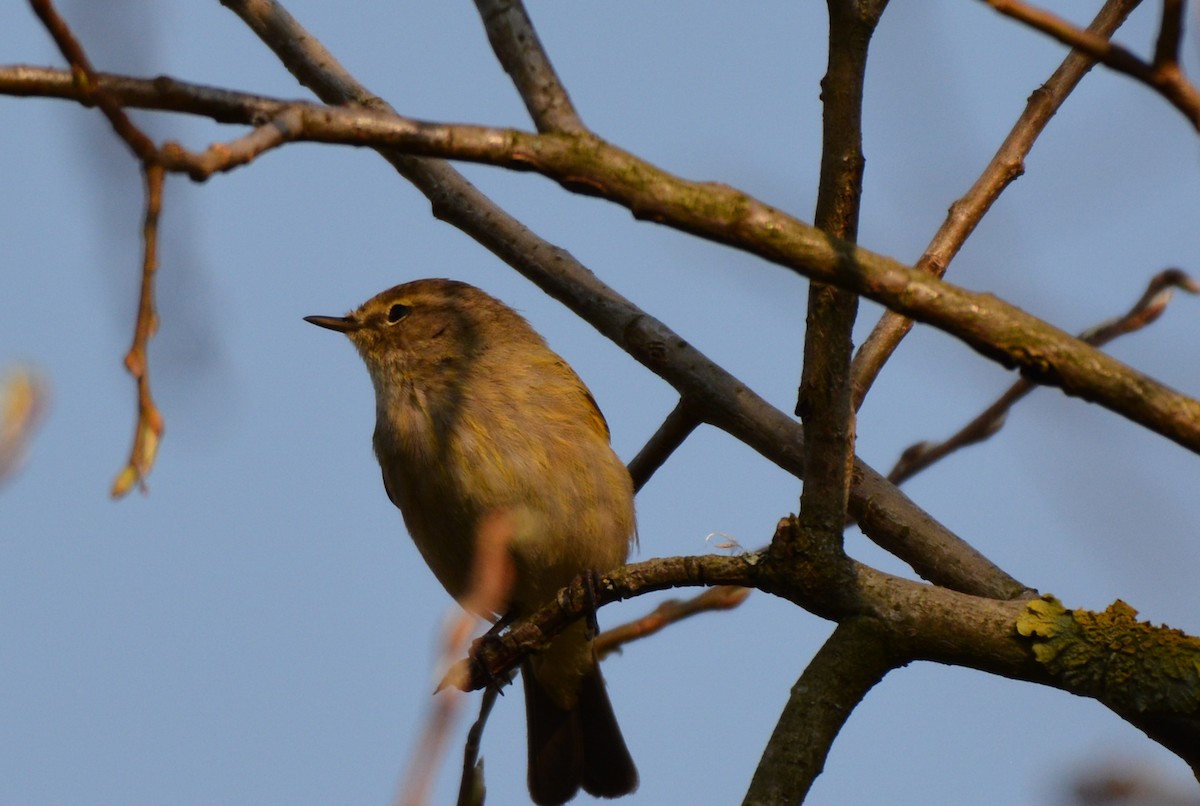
x=491, y=582
x=964, y=215
x=23, y=399
x=1164, y=74
x=1147, y=309
x=471, y=789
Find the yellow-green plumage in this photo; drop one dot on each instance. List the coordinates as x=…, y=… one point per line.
x=477, y=418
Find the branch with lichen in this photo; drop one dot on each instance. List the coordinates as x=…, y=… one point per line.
x=1034, y=640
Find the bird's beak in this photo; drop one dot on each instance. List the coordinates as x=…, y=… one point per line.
x=342, y=324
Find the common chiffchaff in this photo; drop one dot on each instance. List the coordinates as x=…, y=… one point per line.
x=478, y=420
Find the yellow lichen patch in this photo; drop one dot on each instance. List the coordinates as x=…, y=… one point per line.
x=1112, y=656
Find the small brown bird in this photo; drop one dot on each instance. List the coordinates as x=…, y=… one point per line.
x=478, y=420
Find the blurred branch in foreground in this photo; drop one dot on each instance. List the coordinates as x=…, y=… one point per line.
x=23, y=399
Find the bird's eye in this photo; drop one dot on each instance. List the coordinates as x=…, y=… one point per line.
x=397, y=312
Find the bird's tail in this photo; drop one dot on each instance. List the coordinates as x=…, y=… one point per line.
x=577, y=745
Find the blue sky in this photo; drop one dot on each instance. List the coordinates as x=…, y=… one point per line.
x=259, y=629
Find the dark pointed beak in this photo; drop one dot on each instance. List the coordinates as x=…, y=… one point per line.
x=342, y=324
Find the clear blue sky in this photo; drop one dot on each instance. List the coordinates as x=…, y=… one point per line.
x=259, y=629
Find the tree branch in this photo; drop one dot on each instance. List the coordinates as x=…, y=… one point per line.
x=1145, y=311
x=851, y=662
x=1164, y=76
x=994, y=328
x=672, y=611
x=520, y=52
x=883, y=513
x=966, y=213
x=678, y=426
x=824, y=400
x=1015, y=639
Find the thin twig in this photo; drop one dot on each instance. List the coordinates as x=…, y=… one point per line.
x=1166, y=78
x=282, y=128
x=471, y=788
x=155, y=162
x=85, y=79
x=1146, y=310
x=678, y=426
x=148, y=431
x=520, y=52
x=672, y=611
x=965, y=214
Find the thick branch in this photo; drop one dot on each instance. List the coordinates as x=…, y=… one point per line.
x=824, y=400
x=851, y=662
x=883, y=513
x=921, y=622
x=996, y=329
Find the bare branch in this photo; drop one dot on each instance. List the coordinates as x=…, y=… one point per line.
x=920, y=622
x=884, y=513
x=672, y=611
x=520, y=52
x=148, y=431
x=85, y=79
x=851, y=662
x=722, y=214
x=678, y=426
x=1146, y=310
x=149, y=427
x=1164, y=76
x=966, y=213
x=281, y=129
x=824, y=401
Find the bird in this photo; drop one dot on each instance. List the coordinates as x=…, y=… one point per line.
x=479, y=423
